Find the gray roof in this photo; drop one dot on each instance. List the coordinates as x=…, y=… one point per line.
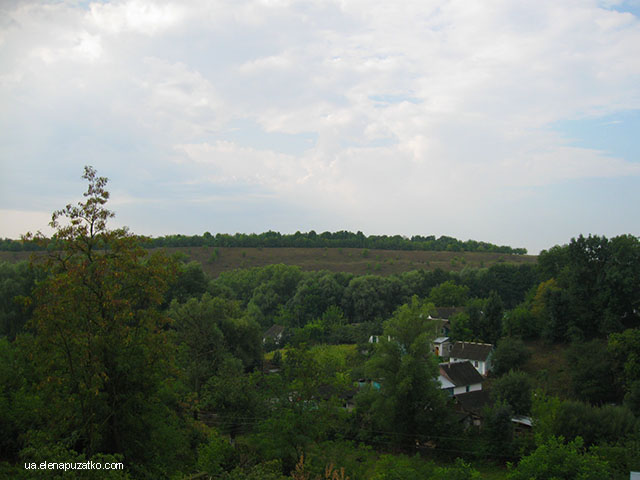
x=274, y=331
x=474, y=402
x=471, y=351
x=460, y=373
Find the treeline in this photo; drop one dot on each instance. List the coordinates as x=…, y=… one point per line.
x=311, y=239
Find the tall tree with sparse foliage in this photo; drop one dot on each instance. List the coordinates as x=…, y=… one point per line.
x=100, y=344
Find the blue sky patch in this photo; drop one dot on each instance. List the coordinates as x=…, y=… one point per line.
x=628, y=6
x=617, y=135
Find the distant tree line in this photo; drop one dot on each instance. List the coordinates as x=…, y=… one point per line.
x=311, y=239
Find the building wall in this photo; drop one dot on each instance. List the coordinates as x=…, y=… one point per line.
x=463, y=389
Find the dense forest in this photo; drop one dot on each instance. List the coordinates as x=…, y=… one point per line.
x=309, y=239
x=111, y=352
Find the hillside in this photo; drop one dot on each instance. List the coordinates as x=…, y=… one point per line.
x=216, y=260
x=353, y=260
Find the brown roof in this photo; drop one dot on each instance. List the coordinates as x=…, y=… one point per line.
x=471, y=350
x=460, y=373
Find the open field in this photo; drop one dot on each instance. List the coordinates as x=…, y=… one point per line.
x=216, y=260
x=353, y=260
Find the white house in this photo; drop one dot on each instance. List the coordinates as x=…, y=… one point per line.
x=460, y=377
x=479, y=354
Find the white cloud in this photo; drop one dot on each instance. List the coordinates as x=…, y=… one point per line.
x=146, y=17
x=409, y=101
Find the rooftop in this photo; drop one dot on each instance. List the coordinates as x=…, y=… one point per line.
x=471, y=350
x=460, y=373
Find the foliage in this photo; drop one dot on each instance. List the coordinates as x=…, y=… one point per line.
x=210, y=328
x=409, y=405
x=448, y=294
x=520, y=322
x=491, y=324
x=19, y=403
x=624, y=349
x=101, y=346
x=514, y=389
x=411, y=320
x=41, y=449
x=16, y=282
x=232, y=396
x=550, y=308
x=556, y=460
x=216, y=456
x=270, y=470
x=498, y=431
x=400, y=467
x=593, y=373
x=369, y=297
x=189, y=281
x=510, y=354
x=597, y=286
x=571, y=419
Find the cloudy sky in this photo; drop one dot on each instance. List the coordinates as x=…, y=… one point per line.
x=514, y=122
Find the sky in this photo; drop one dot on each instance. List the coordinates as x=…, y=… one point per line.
x=512, y=122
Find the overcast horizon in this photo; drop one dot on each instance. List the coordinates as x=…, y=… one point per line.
x=515, y=123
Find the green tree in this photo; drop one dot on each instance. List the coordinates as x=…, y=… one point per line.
x=233, y=396
x=624, y=349
x=510, y=354
x=411, y=320
x=448, y=294
x=593, y=372
x=409, y=403
x=514, y=389
x=498, y=431
x=520, y=322
x=190, y=281
x=100, y=340
x=491, y=324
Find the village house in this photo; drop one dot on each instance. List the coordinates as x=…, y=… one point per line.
x=479, y=354
x=459, y=377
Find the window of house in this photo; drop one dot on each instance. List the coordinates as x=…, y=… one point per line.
x=467, y=388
